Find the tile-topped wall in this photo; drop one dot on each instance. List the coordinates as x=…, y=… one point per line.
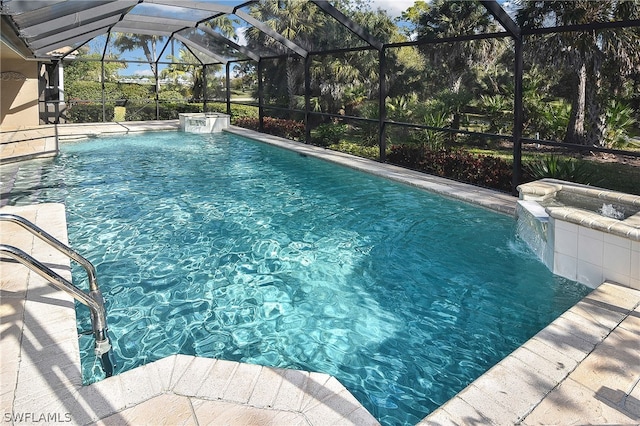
x=581, y=244
x=591, y=256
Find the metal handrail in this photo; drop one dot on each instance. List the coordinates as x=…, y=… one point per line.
x=55, y=243
x=93, y=300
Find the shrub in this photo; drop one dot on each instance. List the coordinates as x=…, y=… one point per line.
x=88, y=113
x=92, y=91
x=167, y=111
x=483, y=170
x=370, y=152
x=237, y=111
x=552, y=166
x=328, y=134
x=619, y=121
x=289, y=129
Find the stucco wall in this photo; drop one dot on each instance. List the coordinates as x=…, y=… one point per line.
x=19, y=100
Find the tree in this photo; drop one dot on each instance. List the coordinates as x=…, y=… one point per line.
x=334, y=77
x=598, y=60
x=412, y=16
x=148, y=44
x=87, y=67
x=459, y=64
x=458, y=60
x=298, y=21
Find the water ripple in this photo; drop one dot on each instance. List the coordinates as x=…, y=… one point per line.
x=227, y=248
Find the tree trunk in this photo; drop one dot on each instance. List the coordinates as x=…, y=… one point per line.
x=456, y=83
x=596, y=127
x=291, y=83
x=575, y=128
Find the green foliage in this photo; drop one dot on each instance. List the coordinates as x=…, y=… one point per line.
x=243, y=111
x=167, y=111
x=488, y=171
x=135, y=91
x=619, y=121
x=370, y=152
x=598, y=60
x=369, y=130
x=499, y=111
x=88, y=67
x=83, y=91
x=553, y=166
x=402, y=108
x=88, y=113
x=92, y=91
x=171, y=95
x=435, y=139
x=328, y=134
x=544, y=118
x=289, y=129
x=238, y=112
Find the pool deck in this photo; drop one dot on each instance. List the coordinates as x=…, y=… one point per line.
x=584, y=368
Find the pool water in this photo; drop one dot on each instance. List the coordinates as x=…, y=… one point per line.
x=219, y=246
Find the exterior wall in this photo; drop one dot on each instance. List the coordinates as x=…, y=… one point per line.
x=19, y=100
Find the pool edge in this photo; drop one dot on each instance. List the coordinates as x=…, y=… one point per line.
x=484, y=197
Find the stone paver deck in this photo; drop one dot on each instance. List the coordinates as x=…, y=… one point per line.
x=584, y=368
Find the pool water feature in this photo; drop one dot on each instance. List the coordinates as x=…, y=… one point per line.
x=220, y=246
x=580, y=232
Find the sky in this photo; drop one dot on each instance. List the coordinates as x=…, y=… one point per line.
x=393, y=7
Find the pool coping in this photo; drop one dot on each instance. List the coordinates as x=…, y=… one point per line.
x=582, y=368
x=484, y=197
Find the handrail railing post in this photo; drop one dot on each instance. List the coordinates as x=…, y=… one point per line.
x=93, y=300
x=55, y=243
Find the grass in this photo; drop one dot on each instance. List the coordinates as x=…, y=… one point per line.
x=610, y=175
x=617, y=176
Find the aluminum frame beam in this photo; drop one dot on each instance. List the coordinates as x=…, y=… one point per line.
x=200, y=48
x=183, y=23
x=83, y=38
x=271, y=33
x=166, y=32
x=209, y=7
x=39, y=42
x=355, y=28
x=242, y=49
x=77, y=19
x=494, y=8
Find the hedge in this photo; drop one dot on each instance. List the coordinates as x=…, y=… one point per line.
x=483, y=170
x=88, y=113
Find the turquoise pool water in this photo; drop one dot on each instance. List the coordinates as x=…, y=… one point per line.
x=224, y=247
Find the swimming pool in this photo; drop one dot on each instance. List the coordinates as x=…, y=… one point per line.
x=224, y=247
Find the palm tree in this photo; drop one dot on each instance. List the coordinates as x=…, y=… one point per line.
x=455, y=18
x=458, y=63
x=586, y=55
x=306, y=25
x=298, y=21
x=148, y=43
